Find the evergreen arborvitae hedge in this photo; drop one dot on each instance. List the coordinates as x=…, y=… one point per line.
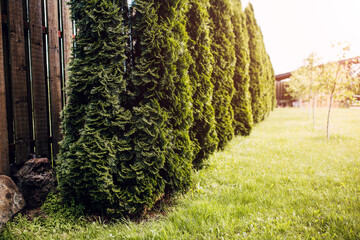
x=256, y=66
x=95, y=117
x=135, y=121
x=203, y=132
x=161, y=80
x=222, y=48
x=269, y=79
x=265, y=71
x=271, y=84
x=241, y=102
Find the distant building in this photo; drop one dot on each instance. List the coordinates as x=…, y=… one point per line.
x=284, y=99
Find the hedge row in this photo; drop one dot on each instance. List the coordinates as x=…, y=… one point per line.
x=154, y=89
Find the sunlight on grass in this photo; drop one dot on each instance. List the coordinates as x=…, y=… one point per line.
x=285, y=181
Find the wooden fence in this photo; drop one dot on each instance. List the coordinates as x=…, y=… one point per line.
x=35, y=44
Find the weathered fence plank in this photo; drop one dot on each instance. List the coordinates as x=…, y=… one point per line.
x=39, y=79
x=67, y=35
x=4, y=143
x=18, y=81
x=55, y=73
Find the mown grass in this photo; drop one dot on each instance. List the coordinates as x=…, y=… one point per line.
x=285, y=181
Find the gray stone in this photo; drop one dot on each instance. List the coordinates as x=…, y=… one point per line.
x=11, y=200
x=35, y=180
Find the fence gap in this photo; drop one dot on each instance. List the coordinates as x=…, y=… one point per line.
x=47, y=71
x=29, y=79
x=61, y=52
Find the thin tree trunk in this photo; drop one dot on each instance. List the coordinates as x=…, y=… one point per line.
x=328, y=117
x=310, y=97
x=313, y=109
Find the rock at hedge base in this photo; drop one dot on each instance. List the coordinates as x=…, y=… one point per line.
x=11, y=200
x=35, y=179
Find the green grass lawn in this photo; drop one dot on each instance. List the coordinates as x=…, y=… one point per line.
x=285, y=181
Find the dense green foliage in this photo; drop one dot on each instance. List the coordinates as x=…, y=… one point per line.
x=95, y=116
x=161, y=82
x=255, y=65
x=154, y=90
x=262, y=78
x=203, y=132
x=241, y=102
x=281, y=192
x=222, y=48
x=133, y=145
x=268, y=83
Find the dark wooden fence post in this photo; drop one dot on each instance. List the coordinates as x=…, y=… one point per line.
x=18, y=81
x=4, y=143
x=67, y=34
x=55, y=73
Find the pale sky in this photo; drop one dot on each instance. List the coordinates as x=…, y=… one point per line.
x=293, y=29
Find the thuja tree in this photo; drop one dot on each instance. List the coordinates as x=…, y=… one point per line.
x=272, y=86
x=269, y=77
x=268, y=81
x=241, y=102
x=161, y=82
x=203, y=132
x=95, y=117
x=222, y=48
x=256, y=65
